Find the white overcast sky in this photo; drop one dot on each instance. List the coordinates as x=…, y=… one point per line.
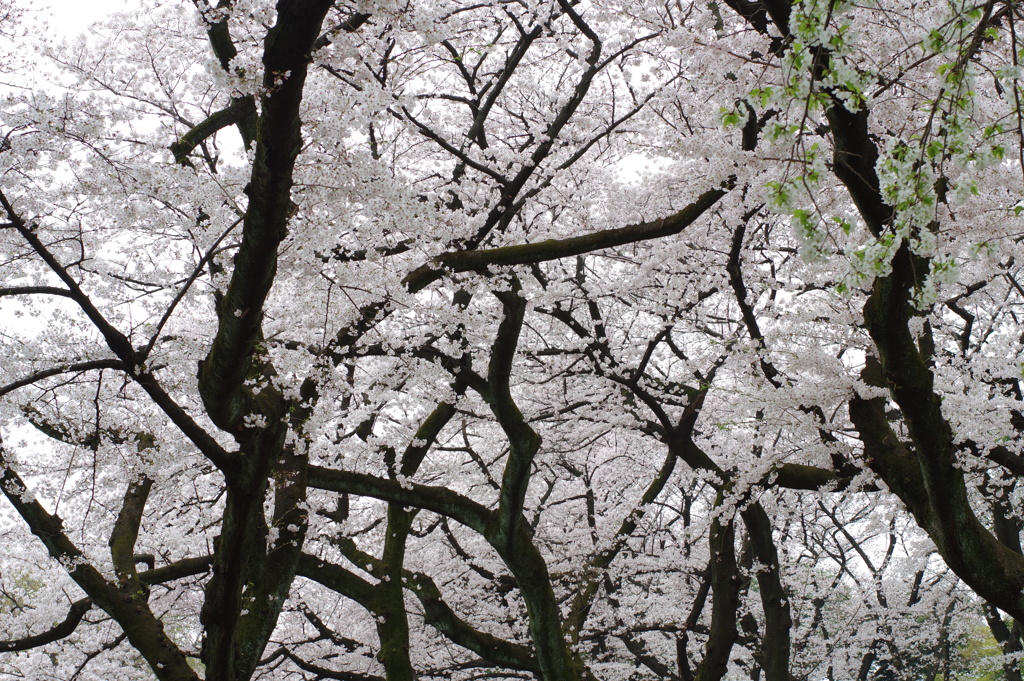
x=71, y=17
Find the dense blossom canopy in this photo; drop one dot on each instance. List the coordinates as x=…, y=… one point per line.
x=558, y=339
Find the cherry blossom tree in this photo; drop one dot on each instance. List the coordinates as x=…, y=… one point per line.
x=563, y=340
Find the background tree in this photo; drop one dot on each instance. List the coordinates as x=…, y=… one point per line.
x=395, y=340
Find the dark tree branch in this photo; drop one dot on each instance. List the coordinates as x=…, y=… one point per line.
x=230, y=360
x=126, y=532
x=804, y=477
x=6, y=291
x=775, y=643
x=122, y=348
x=725, y=602
x=350, y=24
x=555, y=249
x=177, y=570
x=239, y=110
x=73, y=368
x=995, y=572
x=524, y=442
x=131, y=611
x=583, y=600
x=439, y=615
x=74, y=617
x=440, y=500
x=337, y=578
x=219, y=34
x=321, y=672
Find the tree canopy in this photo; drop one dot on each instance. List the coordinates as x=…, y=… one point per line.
x=546, y=339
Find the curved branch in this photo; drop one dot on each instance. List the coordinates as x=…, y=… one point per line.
x=440, y=500
x=994, y=571
x=224, y=48
x=199, y=268
x=584, y=598
x=74, y=617
x=350, y=25
x=524, y=442
x=88, y=365
x=126, y=532
x=287, y=53
x=436, y=612
x=34, y=290
x=725, y=590
x=804, y=477
x=439, y=615
x=130, y=610
x=177, y=570
x=337, y=578
x=236, y=112
x=518, y=551
x=122, y=348
x=555, y=249
x=321, y=672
